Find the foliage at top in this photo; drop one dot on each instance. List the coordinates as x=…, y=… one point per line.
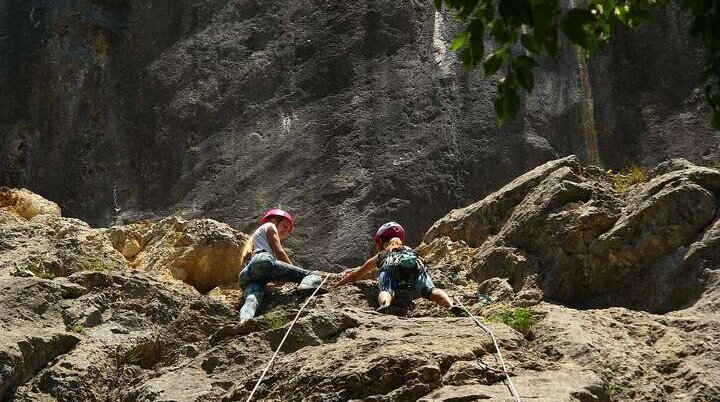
x=524, y=30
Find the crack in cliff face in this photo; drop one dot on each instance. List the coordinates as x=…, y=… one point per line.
x=588, y=112
x=21, y=361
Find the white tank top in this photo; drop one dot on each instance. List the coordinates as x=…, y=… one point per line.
x=260, y=238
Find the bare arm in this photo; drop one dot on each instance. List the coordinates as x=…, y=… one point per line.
x=277, y=248
x=359, y=272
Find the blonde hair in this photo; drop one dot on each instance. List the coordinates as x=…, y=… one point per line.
x=246, y=251
x=393, y=243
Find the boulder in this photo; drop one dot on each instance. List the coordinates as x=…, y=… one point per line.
x=26, y=204
x=476, y=222
x=571, y=235
x=202, y=252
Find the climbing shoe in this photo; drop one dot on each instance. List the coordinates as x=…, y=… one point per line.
x=310, y=282
x=458, y=311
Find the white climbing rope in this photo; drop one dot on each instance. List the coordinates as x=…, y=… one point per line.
x=513, y=391
x=257, y=384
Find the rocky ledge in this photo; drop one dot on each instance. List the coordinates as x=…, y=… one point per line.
x=621, y=283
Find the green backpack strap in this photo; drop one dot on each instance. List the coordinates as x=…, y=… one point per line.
x=406, y=260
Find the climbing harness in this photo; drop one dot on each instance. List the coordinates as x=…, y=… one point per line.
x=505, y=371
x=272, y=359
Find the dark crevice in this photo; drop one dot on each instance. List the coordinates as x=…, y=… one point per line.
x=38, y=354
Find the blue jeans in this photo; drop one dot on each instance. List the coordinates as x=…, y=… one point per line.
x=263, y=268
x=390, y=279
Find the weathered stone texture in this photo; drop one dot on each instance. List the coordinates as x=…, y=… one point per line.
x=117, y=322
x=350, y=113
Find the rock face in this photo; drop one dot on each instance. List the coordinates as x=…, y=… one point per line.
x=350, y=113
x=203, y=253
x=640, y=115
x=137, y=333
x=25, y=204
x=559, y=229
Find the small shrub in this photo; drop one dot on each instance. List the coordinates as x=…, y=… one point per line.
x=96, y=265
x=133, y=356
x=78, y=329
x=632, y=175
x=520, y=319
x=35, y=268
x=276, y=320
x=611, y=390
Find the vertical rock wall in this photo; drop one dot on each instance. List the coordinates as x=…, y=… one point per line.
x=350, y=113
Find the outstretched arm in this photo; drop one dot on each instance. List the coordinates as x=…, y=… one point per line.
x=277, y=248
x=359, y=272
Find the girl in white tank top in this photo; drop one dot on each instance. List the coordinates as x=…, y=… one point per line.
x=268, y=262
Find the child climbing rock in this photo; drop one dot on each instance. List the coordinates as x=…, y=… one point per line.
x=268, y=261
x=399, y=266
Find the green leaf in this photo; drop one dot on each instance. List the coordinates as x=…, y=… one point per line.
x=500, y=111
x=526, y=62
x=477, y=46
x=512, y=102
x=488, y=14
x=438, y=4
x=467, y=9
x=506, y=8
x=572, y=24
x=592, y=45
x=466, y=58
x=524, y=12
x=542, y=16
x=529, y=43
x=551, y=41
x=500, y=32
x=476, y=28
x=459, y=41
x=455, y=4
x=525, y=78
x=494, y=61
x=507, y=103
x=621, y=13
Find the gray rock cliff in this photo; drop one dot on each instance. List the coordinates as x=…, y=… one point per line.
x=350, y=113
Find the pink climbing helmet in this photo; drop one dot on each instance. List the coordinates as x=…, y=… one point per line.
x=388, y=231
x=279, y=212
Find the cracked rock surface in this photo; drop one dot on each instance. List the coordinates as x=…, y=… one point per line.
x=624, y=287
